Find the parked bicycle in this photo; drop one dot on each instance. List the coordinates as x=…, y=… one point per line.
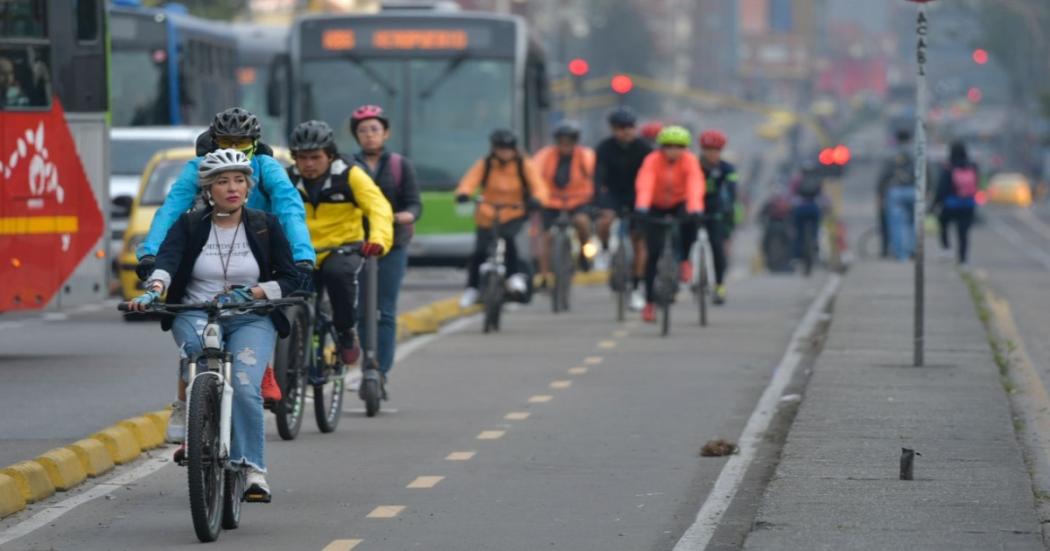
x=216, y=488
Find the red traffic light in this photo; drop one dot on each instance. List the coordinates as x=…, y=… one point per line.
x=579, y=67
x=840, y=155
x=980, y=56
x=621, y=84
x=825, y=157
x=974, y=95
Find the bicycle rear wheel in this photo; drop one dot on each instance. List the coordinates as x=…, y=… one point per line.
x=702, y=286
x=231, y=503
x=666, y=284
x=618, y=282
x=562, y=267
x=205, y=472
x=290, y=370
x=330, y=387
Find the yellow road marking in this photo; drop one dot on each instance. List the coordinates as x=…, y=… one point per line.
x=36, y=225
x=540, y=398
x=491, y=434
x=607, y=344
x=423, y=482
x=342, y=545
x=620, y=334
x=386, y=511
x=460, y=456
x=517, y=416
x=580, y=370
x=561, y=384
x=592, y=360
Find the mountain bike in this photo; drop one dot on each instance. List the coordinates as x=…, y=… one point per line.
x=665, y=286
x=216, y=488
x=494, y=273
x=561, y=261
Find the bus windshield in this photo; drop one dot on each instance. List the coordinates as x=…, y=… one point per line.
x=452, y=104
x=138, y=83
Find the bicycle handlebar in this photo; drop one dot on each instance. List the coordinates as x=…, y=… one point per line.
x=215, y=306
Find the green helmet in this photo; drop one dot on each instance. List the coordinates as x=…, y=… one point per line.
x=674, y=135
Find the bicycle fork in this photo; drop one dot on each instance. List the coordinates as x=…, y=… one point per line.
x=213, y=351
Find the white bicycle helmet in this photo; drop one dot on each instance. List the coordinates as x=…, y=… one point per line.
x=222, y=160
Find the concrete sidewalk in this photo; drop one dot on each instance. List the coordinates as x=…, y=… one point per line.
x=836, y=486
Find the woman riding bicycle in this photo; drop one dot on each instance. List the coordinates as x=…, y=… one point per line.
x=234, y=255
x=396, y=178
x=670, y=183
x=507, y=179
x=567, y=169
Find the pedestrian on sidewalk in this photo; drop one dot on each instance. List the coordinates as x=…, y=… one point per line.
x=956, y=198
x=895, y=197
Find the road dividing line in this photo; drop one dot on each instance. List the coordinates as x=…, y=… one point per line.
x=53, y=512
x=561, y=384
x=540, y=398
x=699, y=534
x=620, y=334
x=342, y=545
x=517, y=416
x=424, y=482
x=607, y=344
x=460, y=456
x=580, y=370
x=592, y=360
x=491, y=434
x=386, y=511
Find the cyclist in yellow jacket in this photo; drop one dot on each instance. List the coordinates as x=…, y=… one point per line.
x=338, y=198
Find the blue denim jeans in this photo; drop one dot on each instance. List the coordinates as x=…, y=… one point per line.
x=250, y=338
x=392, y=269
x=806, y=217
x=900, y=219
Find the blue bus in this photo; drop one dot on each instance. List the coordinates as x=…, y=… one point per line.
x=169, y=68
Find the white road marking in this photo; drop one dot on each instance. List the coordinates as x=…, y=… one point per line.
x=540, y=398
x=386, y=511
x=424, y=482
x=561, y=384
x=491, y=434
x=460, y=456
x=592, y=360
x=699, y=534
x=578, y=370
x=106, y=487
x=342, y=545
x=517, y=416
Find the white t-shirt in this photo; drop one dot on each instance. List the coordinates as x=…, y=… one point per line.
x=206, y=280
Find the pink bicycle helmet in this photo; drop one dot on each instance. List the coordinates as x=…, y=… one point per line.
x=366, y=112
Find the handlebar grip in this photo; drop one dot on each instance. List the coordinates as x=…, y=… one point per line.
x=123, y=307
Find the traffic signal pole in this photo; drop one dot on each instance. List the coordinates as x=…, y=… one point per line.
x=921, y=30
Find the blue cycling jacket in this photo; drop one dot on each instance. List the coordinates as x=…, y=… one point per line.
x=274, y=194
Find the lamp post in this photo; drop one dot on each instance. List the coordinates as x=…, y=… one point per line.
x=921, y=30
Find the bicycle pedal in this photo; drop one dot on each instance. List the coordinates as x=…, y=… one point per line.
x=257, y=498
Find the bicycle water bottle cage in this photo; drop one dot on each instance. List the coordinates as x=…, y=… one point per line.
x=212, y=336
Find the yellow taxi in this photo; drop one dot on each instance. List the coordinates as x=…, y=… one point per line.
x=1009, y=188
x=160, y=174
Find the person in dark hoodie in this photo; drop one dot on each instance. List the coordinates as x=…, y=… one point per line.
x=956, y=198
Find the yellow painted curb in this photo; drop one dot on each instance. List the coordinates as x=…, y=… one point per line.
x=63, y=468
x=160, y=420
x=421, y=320
x=120, y=443
x=11, y=500
x=144, y=430
x=93, y=456
x=32, y=480
x=445, y=310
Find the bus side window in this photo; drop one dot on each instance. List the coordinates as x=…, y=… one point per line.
x=25, y=80
x=87, y=20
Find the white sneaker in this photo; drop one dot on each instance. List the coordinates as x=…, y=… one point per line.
x=602, y=261
x=176, y=432
x=255, y=486
x=469, y=298
x=637, y=300
x=517, y=284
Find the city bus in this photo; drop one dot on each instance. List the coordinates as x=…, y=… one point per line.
x=53, y=154
x=257, y=48
x=169, y=68
x=445, y=78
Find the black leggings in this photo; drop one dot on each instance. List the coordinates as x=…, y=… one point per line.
x=338, y=274
x=654, y=243
x=963, y=218
x=716, y=237
x=483, y=239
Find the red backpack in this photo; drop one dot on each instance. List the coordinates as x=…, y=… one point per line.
x=964, y=181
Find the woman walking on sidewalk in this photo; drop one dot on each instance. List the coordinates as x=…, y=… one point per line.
x=956, y=197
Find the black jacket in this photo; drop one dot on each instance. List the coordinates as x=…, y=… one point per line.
x=617, y=167
x=189, y=234
x=403, y=197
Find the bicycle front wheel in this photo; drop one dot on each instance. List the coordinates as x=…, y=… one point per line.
x=330, y=386
x=493, y=300
x=205, y=470
x=702, y=287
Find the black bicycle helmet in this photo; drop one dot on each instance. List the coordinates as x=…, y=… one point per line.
x=502, y=137
x=622, y=116
x=567, y=129
x=311, y=135
x=236, y=123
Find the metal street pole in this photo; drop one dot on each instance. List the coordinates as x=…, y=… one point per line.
x=921, y=30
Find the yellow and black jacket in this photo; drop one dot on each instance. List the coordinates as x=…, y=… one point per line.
x=335, y=216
